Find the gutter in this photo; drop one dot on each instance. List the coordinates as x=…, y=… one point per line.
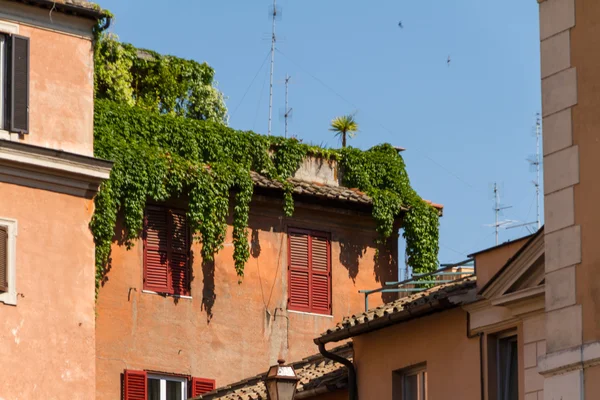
x=352, y=388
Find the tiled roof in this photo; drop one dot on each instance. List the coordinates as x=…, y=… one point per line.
x=301, y=187
x=82, y=7
x=435, y=298
x=315, y=372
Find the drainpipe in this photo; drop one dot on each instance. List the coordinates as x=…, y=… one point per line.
x=481, y=369
x=352, y=388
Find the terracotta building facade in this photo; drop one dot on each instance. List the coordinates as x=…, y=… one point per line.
x=166, y=313
x=47, y=183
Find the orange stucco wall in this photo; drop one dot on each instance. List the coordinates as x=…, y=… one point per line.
x=61, y=93
x=336, y=395
x=440, y=340
x=488, y=263
x=585, y=38
x=229, y=331
x=48, y=339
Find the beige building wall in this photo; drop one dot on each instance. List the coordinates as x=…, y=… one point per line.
x=48, y=337
x=570, y=36
x=47, y=329
x=61, y=89
x=439, y=340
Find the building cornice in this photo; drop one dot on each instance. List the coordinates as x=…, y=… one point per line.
x=53, y=170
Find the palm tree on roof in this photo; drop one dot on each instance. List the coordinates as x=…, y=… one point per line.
x=344, y=127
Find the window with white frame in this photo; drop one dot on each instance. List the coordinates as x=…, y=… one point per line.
x=166, y=388
x=8, y=248
x=14, y=82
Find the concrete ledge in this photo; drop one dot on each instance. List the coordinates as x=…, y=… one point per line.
x=574, y=358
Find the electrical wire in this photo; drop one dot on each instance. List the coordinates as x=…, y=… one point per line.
x=250, y=85
x=389, y=131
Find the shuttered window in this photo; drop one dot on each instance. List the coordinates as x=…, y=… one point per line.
x=134, y=385
x=3, y=259
x=141, y=385
x=19, y=105
x=14, y=83
x=166, y=251
x=309, y=271
x=201, y=386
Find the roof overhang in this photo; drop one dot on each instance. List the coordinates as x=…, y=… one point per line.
x=89, y=11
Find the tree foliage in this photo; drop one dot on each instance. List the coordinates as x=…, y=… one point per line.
x=157, y=83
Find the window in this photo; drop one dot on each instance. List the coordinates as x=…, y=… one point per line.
x=14, y=83
x=166, y=251
x=309, y=271
x=140, y=385
x=503, y=366
x=410, y=384
x=508, y=368
x=8, y=248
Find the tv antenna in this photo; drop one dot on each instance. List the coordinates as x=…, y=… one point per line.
x=274, y=14
x=535, y=163
x=497, y=210
x=288, y=111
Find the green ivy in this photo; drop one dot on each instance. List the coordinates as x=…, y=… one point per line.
x=162, y=122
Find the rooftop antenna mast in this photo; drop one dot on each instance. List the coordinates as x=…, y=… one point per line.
x=288, y=110
x=273, y=40
x=497, y=209
x=536, y=163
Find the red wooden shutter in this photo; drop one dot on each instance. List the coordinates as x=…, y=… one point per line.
x=135, y=386
x=320, y=282
x=3, y=259
x=201, y=386
x=298, y=270
x=19, y=104
x=179, y=253
x=156, y=250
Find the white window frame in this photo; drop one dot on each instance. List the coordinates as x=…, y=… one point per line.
x=10, y=297
x=163, y=384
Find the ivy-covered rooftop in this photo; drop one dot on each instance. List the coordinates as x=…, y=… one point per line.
x=163, y=122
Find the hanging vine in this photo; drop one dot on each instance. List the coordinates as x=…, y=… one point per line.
x=168, y=141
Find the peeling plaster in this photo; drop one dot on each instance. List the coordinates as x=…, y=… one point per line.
x=15, y=333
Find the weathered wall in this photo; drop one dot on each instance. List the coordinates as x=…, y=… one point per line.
x=488, y=263
x=228, y=324
x=440, y=340
x=61, y=92
x=48, y=343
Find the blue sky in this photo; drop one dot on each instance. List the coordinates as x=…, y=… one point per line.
x=464, y=126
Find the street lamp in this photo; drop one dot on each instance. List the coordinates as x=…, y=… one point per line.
x=281, y=382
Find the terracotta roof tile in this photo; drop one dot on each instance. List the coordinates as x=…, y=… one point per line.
x=301, y=187
x=85, y=7
x=429, y=296
x=315, y=372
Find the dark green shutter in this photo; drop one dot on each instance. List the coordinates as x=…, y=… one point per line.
x=19, y=85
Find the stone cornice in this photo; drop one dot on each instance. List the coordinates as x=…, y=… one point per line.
x=53, y=170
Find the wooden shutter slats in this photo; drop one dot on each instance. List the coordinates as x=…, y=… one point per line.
x=309, y=271
x=166, y=258
x=19, y=104
x=201, y=386
x=3, y=259
x=135, y=387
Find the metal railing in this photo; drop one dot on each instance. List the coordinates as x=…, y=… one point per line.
x=417, y=283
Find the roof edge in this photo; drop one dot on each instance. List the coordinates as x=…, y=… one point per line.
x=93, y=12
x=407, y=314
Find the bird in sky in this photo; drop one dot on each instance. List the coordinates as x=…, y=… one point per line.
x=449, y=60
x=400, y=25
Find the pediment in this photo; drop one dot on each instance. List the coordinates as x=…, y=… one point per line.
x=521, y=276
